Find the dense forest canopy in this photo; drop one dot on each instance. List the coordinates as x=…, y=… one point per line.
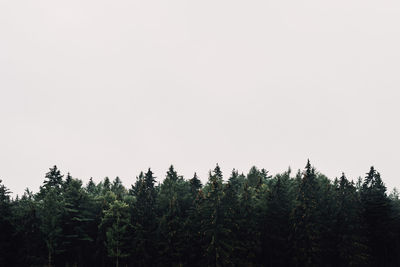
x=254, y=219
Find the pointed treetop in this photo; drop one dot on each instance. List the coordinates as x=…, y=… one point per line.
x=195, y=183
x=54, y=178
x=308, y=166
x=217, y=171
x=368, y=181
x=172, y=174
x=149, y=178
x=91, y=186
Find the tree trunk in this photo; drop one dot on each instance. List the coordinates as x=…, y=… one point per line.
x=49, y=258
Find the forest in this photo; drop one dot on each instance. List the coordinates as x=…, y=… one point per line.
x=298, y=218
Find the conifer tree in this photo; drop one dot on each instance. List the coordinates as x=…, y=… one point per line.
x=27, y=226
x=217, y=247
x=144, y=219
x=377, y=218
x=349, y=229
x=174, y=201
x=275, y=224
x=306, y=232
x=116, y=223
x=236, y=181
x=247, y=233
x=51, y=209
x=76, y=220
x=91, y=187
x=118, y=189
x=254, y=177
x=53, y=181
x=195, y=185
x=6, y=227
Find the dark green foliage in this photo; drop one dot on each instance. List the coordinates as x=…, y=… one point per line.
x=144, y=219
x=306, y=236
x=6, y=226
x=76, y=220
x=217, y=246
x=248, y=220
x=377, y=217
x=275, y=223
x=116, y=226
x=195, y=185
x=348, y=226
x=28, y=233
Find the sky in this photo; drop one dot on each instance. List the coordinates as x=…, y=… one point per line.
x=111, y=88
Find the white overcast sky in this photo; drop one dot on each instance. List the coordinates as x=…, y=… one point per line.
x=110, y=88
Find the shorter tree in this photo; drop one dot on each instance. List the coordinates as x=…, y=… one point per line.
x=116, y=224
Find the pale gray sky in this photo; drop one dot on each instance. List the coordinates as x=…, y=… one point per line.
x=107, y=88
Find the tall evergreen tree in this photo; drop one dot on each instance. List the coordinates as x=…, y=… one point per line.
x=51, y=209
x=306, y=232
x=28, y=235
x=6, y=227
x=275, y=223
x=351, y=247
x=53, y=180
x=144, y=219
x=216, y=246
x=377, y=218
x=195, y=185
x=76, y=220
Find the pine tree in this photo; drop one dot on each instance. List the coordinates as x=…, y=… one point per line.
x=53, y=181
x=377, y=217
x=6, y=227
x=144, y=219
x=51, y=209
x=351, y=249
x=30, y=242
x=231, y=221
x=76, y=220
x=194, y=250
x=118, y=189
x=195, y=185
x=217, y=247
x=106, y=185
x=254, y=177
x=116, y=222
x=171, y=229
x=91, y=187
x=247, y=233
x=236, y=181
x=174, y=201
x=275, y=249
x=306, y=232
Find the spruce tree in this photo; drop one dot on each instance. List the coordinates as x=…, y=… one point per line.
x=76, y=220
x=195, y=185
x=351, y=247
x=275, y=223
x=216, y=242
x=306, y=232
x=377, y=218
x=6, y=227
x=144, y=220
x=116, y=224
x=28, y=235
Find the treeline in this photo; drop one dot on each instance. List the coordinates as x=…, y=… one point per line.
x=300, y=219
